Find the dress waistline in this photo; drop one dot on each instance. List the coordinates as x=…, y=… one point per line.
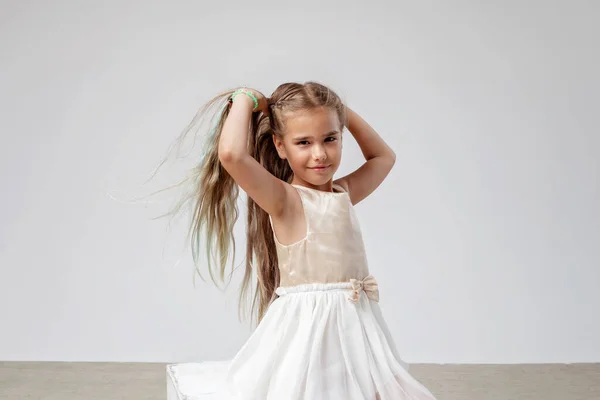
x=356, y=287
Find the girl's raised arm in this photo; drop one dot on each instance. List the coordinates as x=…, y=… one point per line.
x=266, y=190
x=380, y=159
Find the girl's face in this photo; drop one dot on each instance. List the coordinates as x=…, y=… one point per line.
x=312, y=144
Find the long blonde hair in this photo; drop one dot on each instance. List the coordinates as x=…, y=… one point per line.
x=214, y=195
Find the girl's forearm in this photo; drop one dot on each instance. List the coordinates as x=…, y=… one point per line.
x=369, y=141
x=233, y=143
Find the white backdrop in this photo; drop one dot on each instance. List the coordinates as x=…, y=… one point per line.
x=485, y=238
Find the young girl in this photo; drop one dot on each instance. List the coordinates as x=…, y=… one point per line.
x=321, y=334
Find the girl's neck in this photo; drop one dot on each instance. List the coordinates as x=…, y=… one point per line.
x=326, y=187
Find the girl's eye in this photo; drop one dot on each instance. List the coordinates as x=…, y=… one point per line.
x=303, y=142
x=331, y=139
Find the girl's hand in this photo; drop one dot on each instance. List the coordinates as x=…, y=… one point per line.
x=263, y=105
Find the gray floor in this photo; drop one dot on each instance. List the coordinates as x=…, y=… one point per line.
x=92, y=381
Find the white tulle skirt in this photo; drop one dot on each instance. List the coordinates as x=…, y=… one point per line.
x=314, y=343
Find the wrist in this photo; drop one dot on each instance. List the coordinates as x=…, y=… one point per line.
x=247, y=94
x=243, y=101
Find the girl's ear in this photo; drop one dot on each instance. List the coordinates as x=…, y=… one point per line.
x=279, y=146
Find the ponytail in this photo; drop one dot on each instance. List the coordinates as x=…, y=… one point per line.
x=214, y=193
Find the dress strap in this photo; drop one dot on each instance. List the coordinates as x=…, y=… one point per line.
x=339, y=188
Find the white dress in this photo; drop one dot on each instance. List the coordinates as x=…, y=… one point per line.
x=324, y=337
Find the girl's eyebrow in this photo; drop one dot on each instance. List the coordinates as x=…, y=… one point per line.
x=302, y=137
x=330, y=133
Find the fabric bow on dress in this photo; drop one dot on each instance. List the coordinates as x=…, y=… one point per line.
x=368, y=285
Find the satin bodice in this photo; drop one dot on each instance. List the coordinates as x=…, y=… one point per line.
x=332, y=250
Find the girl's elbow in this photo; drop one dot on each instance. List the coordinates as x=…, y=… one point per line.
x=391, y=158
x=228, y=156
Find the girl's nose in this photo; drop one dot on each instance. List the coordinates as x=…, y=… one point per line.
x=319, y=153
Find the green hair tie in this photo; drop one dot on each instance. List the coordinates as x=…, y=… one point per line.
x=247, y=93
